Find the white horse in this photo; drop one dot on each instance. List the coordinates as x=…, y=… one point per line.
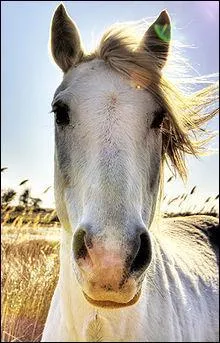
x=125, y=276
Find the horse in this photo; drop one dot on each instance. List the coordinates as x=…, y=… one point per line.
x=126, y=273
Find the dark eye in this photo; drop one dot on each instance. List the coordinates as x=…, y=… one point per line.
x=158, y=119
x=61, y=112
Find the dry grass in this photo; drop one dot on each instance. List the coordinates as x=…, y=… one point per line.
x=28, y=216
x=29, y=276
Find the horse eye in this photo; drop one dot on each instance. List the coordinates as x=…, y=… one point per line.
x=158, y=119
x=61, y=112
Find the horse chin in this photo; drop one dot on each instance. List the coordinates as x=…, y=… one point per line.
x=112, y=304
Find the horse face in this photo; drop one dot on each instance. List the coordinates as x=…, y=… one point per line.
x=107, y=163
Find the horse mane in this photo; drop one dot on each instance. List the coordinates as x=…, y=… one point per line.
x=185, y=113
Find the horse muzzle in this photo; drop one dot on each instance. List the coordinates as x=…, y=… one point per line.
x=110, y=271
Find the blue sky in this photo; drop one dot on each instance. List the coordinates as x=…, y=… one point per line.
x=29, y=78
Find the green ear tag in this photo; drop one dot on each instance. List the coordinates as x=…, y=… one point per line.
x=163, y=32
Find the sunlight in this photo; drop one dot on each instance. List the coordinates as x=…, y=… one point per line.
x=210, y=9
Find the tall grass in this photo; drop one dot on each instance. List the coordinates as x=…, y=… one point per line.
x=30, y=271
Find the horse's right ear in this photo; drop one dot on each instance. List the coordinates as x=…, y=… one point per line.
x=65, y=40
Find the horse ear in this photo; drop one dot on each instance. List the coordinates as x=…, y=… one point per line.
x=65, y=40
x=157, y=38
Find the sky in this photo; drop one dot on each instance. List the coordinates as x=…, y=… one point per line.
x=30, y=78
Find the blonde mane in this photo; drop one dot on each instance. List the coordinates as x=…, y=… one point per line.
x=185, y=114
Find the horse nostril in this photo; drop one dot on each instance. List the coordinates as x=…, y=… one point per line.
x=143, y=257
x=79, y=246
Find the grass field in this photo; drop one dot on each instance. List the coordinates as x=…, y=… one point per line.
x=30, y=263
x=30, y=267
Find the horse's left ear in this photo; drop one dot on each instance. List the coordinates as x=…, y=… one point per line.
x=156, y=40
